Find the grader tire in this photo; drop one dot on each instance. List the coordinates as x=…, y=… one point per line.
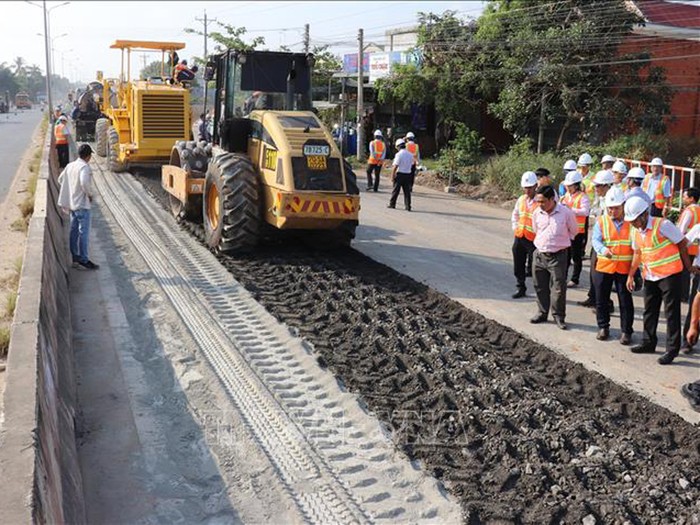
x=101, y=136
x=115, y=164
x=193, y=161
x=231, y=207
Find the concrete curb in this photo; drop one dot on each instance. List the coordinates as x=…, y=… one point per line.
x=37, y=437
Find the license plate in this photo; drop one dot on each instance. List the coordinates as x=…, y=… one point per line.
x=316, y=149
x=316, y=162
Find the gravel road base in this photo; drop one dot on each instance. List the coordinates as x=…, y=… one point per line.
x=518, y=433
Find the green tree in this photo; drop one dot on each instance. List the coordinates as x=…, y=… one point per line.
x=559, y=61
x=152, y=69
x=325, y=65
x=231, y=37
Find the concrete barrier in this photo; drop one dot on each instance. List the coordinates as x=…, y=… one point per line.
x=38, y=457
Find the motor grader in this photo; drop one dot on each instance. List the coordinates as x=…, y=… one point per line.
x=272, y=164
x=143, y=117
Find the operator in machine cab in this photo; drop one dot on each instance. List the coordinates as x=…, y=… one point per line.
x=183, y=73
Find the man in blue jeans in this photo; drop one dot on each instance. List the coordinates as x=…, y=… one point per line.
x=76, y=196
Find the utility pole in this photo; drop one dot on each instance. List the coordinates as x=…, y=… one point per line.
x=306, y=38
x=205, y=21
x=48, y=62
x=360, y=101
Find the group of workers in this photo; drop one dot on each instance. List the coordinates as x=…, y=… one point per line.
x=404, y=166
x=626, y=211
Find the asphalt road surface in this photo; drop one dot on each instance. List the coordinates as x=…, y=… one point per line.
x=16, y=129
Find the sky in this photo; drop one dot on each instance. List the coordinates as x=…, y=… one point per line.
x=82, y=31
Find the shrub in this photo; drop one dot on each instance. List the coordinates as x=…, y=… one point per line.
x=642, y=146
x=505, y=171
x=460, y=155
x=4, y=340
x=10, y=304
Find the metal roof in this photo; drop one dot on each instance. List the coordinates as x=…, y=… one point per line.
x=143, y=45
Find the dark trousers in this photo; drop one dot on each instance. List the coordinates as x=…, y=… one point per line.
x=667, y=290
x=63, y=157
x=591, y=287
x=655, y=212
x=603, y=283
x=695, y=284
x=401, y=182
x=549, y=278
x=578, y=245
x=413, y=176
x=376, y=169
x=522, y=253
x=685, y=283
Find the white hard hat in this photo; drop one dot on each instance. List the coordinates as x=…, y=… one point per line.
x=614, y=197
x=603, y=177
x=570, y=165
x=634, y=207
x=400, y=142
x=528, y=179
x=572, y=178
x=378, y=133
x=619, y=167
x=410, y=135
x=656, y=161
x=585, y=160
x=636, y=173
x=607, y=158
x=63, y=118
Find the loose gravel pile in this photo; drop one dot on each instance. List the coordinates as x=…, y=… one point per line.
x=515, y=431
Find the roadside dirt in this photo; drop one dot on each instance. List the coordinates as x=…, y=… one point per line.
x=481, y=192
x=518, y=433
x=12, y=240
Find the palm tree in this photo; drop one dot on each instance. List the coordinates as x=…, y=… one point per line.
x=19, y=63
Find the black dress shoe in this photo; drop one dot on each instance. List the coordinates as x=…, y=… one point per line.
x=687, y=350
x=667, y=358
x=691, y=391
x=390, y=206
x=520, y=293
x=587, y=303
x=603, y=334
x=539, y=318
x=643, y=348
x=560, y=323
x=625, y=339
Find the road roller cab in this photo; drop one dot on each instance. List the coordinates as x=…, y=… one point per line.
x=272, y=162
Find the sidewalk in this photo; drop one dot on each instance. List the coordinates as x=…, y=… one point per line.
x=463, y=248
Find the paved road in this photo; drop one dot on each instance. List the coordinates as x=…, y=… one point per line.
x=16, y=129
x=463, y=249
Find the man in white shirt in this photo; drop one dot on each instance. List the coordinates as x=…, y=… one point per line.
x=76, y=196
x=401, y=175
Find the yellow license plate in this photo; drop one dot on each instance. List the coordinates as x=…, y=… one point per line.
x=316, y=162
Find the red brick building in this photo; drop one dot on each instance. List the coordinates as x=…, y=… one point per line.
x=672, y=37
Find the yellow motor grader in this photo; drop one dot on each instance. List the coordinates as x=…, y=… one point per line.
x=143, y=117
x=272, y=163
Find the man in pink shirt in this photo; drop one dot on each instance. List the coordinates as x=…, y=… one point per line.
x=555, y=226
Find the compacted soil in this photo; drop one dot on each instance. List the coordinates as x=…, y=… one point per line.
x=515, y=431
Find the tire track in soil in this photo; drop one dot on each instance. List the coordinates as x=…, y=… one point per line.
x=517, y=432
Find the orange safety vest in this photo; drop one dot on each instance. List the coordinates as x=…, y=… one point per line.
x=619, y=243
x=525, y=211
x=659, y=199
x=658, y=253
x=378, y=150
x=694, y=210
x=414, y=150
x=60, y=133
x=575, y=203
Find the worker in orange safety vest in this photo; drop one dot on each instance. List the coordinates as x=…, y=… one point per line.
x=658, y=187
x=521, y=221
x=661, y=250
x=612, y=242
x=414, y=150
x=577, y=201
x=377, y=154
x=61, y=135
